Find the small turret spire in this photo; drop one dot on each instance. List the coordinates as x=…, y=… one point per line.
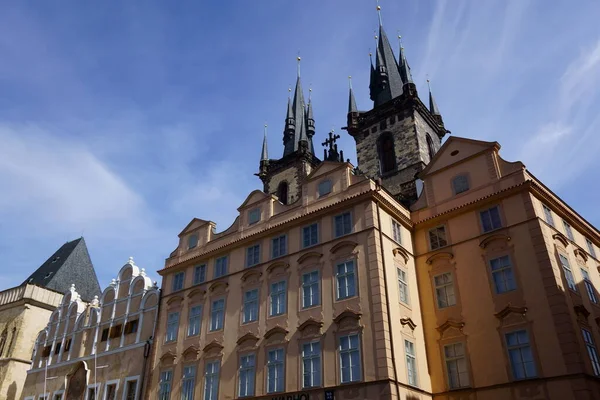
x=351, y=100
x=265, y=154
x=433, y=108
x=404, y=67
x=298, y=59
x=379, y=13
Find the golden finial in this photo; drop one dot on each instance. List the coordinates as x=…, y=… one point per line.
x=379, y=13
x=350, y=81
x=298, y=59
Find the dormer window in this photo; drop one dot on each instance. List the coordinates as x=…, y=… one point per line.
x=324, y=188
x=253, y=216
x=192, y=241
x=460, y=184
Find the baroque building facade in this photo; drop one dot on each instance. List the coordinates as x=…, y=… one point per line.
x=98, y=349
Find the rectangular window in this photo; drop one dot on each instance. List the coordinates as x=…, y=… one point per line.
x=217, y=315
x=60, y=395
x=346, y=280
x=568, y=273
x=502, y=274
x=411, y=363
x=520, y=355
x=253, y=216
x=247, y=374
x=250, y=306
x=199, y=273
x=178, y=281
x=310, y=289
x=194, y=320
x=188, y=382
x=311, y=364
x=397, y=231
x=116, y=331
x=131, y=326
x=460, y=184
x=68, y=345
x=444, y=290
x=343, y=224
x=111, y=392
x=91, y=394
x=275, y=370
x=402, y=285
x=490, y=219
x=172, y=327
x=211, y=380
x=548, y=215
x=568, y=230
x=592, y=352
x=220, y=266
x=437, y=237
x=456, y=366
x=253, y=255
x=589, y=286
x=350, y=369
x=104, y=338
x=57, y=348
x=324, y=188
x=278, y=298
x=310, y=235
x=590, y=247
x=164, y=391
x=130, y=390
x=279, y=246
x=192, y=241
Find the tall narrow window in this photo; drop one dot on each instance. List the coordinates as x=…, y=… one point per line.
x=397, y=231
x=310, y=289
x=192, y=241
x=520, y=355
x=178, y=279
x=111, y=393
x=343, y=224
x=568, y=273
x=194, y=320
x=589, y=286
x=252, y=255
x=350, y=368
x=164, y=391
x=188, y=382
x=460, y=184
x=437, y=237
x=250, y=306
x=311, y=364
x=199, y=274
x=387, y=153
x=279, y=246
x=430, y=147
x=548, y=215
x=402, y=285
x=211, y=380
x=490, y=219
x=275, y=370
x=247, y=374
x=568, y=230
x=278, y=298
x=282, y=192
x=91, y=394
x=502, y=274
x=220, y=266
x=346, y=280
x=216, y=315
x=310, y=235
x=456, y=366
x=590, y=247
x=131, y=390
x=411, y=363
x=444, y=290
x=592, y=352
x=172, y=326
x=253, y=216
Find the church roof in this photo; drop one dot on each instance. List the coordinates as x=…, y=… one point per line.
x=70, y=264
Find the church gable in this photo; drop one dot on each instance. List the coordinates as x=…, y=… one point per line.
x=455, y=150
x=255, y=197
x=323, y=169
x=193, y=225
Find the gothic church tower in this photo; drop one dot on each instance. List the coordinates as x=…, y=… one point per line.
x=399, y=135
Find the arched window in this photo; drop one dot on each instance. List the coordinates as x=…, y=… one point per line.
x=387, y=153
x=282, y=192
x=3, y=341
x=430, y=148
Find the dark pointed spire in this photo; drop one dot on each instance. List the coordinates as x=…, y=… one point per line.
x=433, y=108
x=351, y=100
x=403, y=67
x=265, y=153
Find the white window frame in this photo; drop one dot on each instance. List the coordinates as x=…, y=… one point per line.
x=502, y=272
x=435, y=231
x=568, y=271
x=456, y=360
x=250, y=369
x=592, y=351
x=489, y=214
x=97, y=386
x=397, y=231
x=197, y=318
x=221, y=270
x=408, y=358
x=548, y=217
x=316, y=298
x=345, y=275
x=590, y=247
x=185, y=378
x=206, y=376
x=200, y=272
x=519, y=347
x=279, y=253
x=309, y=227
x=568, y=230
x=311, y=358
x=61, y=393
x=175, y=281
x=255, y=301
x=135, y=378
x=403, y=283
x=160, y=383
x=251, y=251
x=172, y=323
x=272, y=295
x=276, y=364
x=29, y=398
x=212, y=314
x=589, y=286
x=108, y=383
x=350, y=350
x=444, y=286
x=343, y=233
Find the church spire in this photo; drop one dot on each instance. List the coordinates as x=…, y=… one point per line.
x=433, y=108
x=265, y=153
x=351, y=100
x=403, y=66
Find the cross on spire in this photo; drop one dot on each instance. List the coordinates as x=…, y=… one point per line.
x=332, y=153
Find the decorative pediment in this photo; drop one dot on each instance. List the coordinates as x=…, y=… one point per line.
x=559, y=237
x=581, y=253
x=175, y=300
x=451, y=328
x=441, y=255
x=214, y=348
x=191, y=353
x=278, y=267
x=347, y=245
x=496, y=237
x=276, y=331
x=168, y=358
x=218, y=287
x=400, y=251
x=251, y=276
x=348, y=319
x=511, y=315
x=309, y=256
x=407, y=321
x=311, y=327
x=196, y=294
x=248, y=340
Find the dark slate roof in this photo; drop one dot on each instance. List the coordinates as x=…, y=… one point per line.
x=71, y=264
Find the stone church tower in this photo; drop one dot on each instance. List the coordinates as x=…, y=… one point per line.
x=399, y=135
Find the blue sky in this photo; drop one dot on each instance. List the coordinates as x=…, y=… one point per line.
x=121, y=121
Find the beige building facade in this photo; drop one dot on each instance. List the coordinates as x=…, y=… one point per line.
x=97, y=350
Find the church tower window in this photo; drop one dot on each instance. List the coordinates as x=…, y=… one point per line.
x=430, y=148
x=282, y=192
x=387, y=153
